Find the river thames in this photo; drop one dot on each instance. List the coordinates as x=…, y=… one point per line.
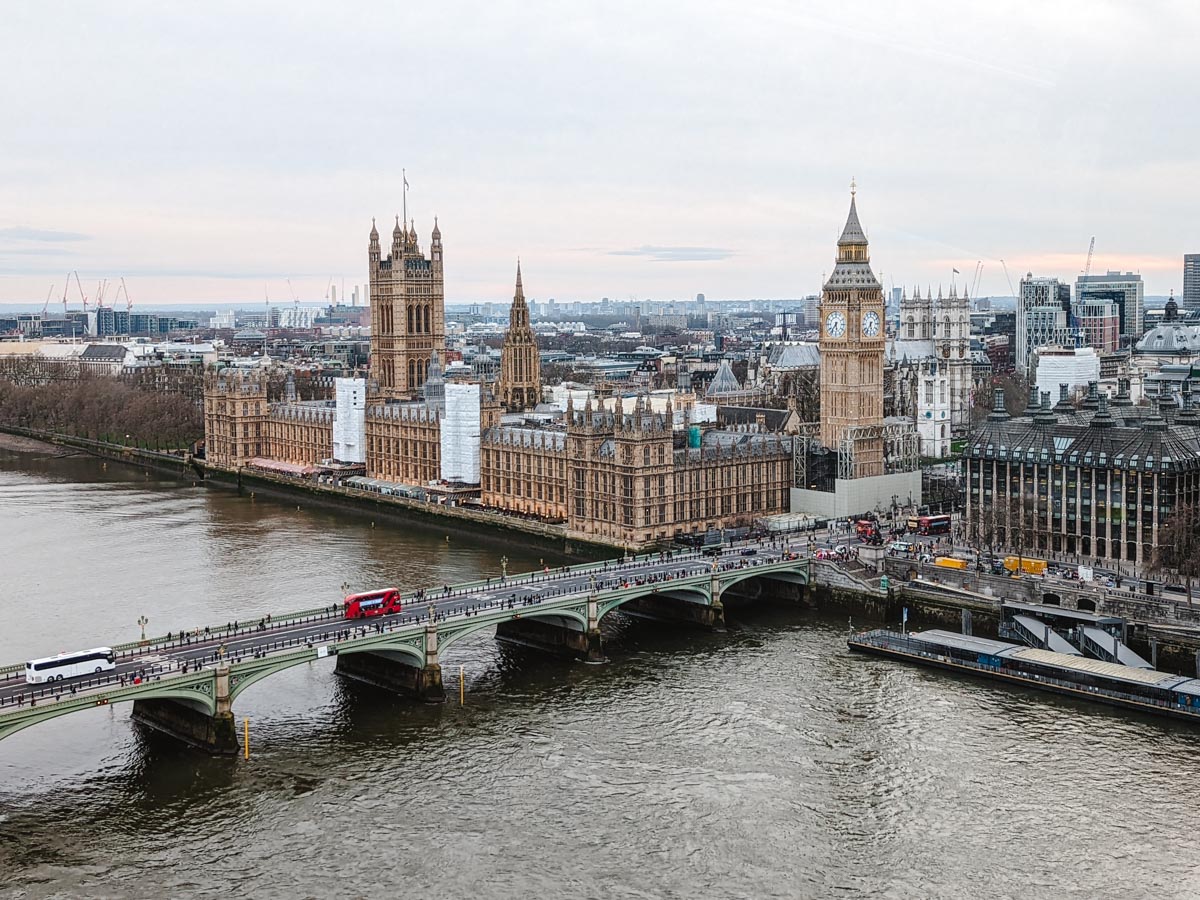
x=766, y=761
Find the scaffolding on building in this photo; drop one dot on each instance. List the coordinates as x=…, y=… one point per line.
x=901, y=446
x=855, y=440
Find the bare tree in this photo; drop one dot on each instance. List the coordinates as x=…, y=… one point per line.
x=103, y=408
x=1178, y=549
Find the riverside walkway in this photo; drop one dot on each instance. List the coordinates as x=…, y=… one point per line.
x=185, y=683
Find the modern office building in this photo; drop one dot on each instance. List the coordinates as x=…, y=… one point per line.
x=1043, y=318
x=1125, y=291
x=1191, y=282
x=1098, y=323
x=1101, y=482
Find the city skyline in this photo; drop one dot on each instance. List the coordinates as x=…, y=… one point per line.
x=644, y=154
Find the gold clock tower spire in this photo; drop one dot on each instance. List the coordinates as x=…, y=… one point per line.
x=852, y=350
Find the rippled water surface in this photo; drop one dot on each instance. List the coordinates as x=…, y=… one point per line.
x=763, y=762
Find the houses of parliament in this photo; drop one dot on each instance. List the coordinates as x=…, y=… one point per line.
x=611, y=473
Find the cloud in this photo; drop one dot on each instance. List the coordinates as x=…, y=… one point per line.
x=21, y=233
x=675, y=254
x=35, y=251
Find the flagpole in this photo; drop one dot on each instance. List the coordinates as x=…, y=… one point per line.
x=404, y=201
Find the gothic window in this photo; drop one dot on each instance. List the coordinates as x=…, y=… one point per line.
x=911, y=328
x=410, y=320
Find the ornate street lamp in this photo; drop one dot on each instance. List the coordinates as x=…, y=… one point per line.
x=143, y=621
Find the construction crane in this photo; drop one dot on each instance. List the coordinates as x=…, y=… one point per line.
x=66, y=286
x=1006, y=278
x=128, y=301
x=46, y=305
x=1087, y=270
x=82, y=295
x=975, y=280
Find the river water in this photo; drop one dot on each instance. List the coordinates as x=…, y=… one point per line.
x=762, y=762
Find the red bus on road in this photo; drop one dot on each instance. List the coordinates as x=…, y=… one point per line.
x=929, y=524
x=382, y=602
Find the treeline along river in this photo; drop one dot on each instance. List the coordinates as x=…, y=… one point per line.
x=763, y=762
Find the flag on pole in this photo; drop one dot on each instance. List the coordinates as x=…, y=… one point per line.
x=956, y=272
x=904, y=617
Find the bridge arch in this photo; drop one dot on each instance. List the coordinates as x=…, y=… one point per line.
x=47, y=710
x=453, y=635
x=736, y=576
x=686, y=593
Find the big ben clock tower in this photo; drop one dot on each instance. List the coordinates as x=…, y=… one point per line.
x=852, y=349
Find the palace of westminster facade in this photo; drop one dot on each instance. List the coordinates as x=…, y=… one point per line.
x=618, y=477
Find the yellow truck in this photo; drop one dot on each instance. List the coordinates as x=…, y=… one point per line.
x=950, y=562
x=1027, y=564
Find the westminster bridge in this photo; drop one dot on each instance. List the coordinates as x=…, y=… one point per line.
x=185, y=684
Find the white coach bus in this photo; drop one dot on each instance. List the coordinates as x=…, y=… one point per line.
x=70, y=665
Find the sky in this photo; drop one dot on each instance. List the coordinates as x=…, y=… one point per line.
x=631, y=150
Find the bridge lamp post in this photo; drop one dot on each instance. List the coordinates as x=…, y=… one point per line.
x=143, y=621
x=504, y=567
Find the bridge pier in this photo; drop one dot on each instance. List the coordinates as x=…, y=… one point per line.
x=394, y=674
x=216, y=734
x=561, y=640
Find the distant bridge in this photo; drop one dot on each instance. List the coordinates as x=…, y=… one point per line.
x=185, y=684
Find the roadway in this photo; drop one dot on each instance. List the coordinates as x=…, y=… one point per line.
x=207, y=646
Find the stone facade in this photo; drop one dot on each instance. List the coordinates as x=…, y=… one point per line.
x=632, y=481
x=235, y=416
x=408, y=323
x=404, y=442
x=935, y=330
x=524, y=470
x=300, y=433
x=519, y=386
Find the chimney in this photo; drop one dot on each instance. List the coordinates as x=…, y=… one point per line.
x=1045, y=415
x=1032, y=408
x=999, y=413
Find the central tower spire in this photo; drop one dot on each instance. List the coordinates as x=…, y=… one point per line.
x=519, y=386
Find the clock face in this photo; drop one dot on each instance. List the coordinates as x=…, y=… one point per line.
x=870, y=324
x=835, y=324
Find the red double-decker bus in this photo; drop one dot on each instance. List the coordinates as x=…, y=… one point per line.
x=382, y=602
x=929, y=524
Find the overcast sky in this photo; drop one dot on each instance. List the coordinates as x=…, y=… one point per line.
x=623, y=149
